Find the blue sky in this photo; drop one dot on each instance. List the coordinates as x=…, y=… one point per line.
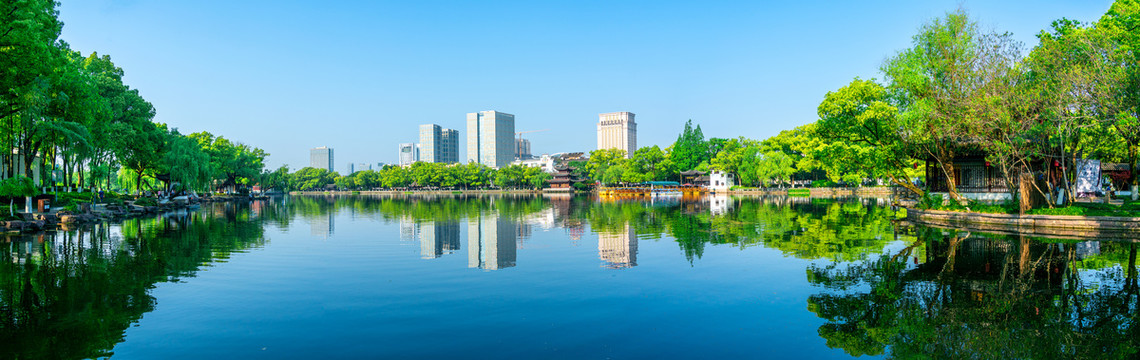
x=360, y=76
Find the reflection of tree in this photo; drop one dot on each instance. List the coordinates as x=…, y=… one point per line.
x=978, y=296
x=832, y=230
x=417, y=208
x=72, y=294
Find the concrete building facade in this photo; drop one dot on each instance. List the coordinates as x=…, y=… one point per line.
x=408, y=154
x=490, y=138
x=617, y=130
x=321, y=158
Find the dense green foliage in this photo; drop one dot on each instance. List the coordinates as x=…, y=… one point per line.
x=66, y=112
x=959, y=89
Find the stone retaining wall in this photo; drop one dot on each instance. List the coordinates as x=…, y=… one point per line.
x=1082, y=226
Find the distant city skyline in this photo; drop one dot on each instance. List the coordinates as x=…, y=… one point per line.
x=373, y=71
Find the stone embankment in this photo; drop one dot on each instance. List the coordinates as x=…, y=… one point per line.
x=32, y=222
x=416, y=192
x=1059, y=225
x=870, y=191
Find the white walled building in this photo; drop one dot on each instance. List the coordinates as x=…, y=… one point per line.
x=617, y=130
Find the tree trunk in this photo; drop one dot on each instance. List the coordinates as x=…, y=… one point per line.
x=907, y=184
x=1135, y=174
x=951, y=186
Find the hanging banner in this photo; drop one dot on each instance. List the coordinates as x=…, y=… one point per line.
x=1088, y=176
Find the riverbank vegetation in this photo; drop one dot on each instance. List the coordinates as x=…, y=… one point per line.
x=71, y=122
x=961, y=90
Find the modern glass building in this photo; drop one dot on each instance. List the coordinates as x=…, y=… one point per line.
x=438, y=145
x=321, y=158
x=490, y=138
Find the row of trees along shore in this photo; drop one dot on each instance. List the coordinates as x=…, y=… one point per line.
x=959, y=89
x=64, y=113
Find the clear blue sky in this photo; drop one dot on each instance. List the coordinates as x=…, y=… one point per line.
x=360, y=76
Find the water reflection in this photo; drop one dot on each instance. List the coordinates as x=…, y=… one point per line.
x=438, y=238
x=492, y=242
x=618, y=249
x=71, y=294
x=880, y=287
x=993, y=296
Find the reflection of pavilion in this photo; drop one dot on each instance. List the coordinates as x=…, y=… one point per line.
x=438, y=238
x=322, y=225
x=618, y=249
x=719, y=204
x=491, y=242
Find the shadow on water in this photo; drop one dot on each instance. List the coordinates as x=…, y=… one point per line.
x=955, y=294
x=72, y=294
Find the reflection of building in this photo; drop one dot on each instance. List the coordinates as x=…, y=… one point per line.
x=618, y=249
x=438, y=238
x=617, y=130
x=409, y=231
x=322, y=225
x=719, y=204
x=491, y=242
x=321, y=158
x=490, y=138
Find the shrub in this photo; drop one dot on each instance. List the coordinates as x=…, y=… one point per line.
x=822, y=183
x=930, y=201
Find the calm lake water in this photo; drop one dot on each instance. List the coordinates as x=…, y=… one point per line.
x=570, y=278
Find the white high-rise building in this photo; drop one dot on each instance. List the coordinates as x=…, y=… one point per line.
x=409, y=154
x=490, y=138
x=321, y=158
x=617, y=130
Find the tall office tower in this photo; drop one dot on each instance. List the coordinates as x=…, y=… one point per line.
x=490, y=138
x=617, y=130
x=522, y=149
x=429, y=142
x=449, y=146
x=618, y=249
x=408, y=154
x=438, y=238
x=438, y=145
x=491, y=242
x=321, y=158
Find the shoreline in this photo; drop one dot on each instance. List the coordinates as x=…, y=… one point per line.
x=1045, y=225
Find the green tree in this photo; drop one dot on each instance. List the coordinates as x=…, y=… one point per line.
x=862, y=135
x=690, y=149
